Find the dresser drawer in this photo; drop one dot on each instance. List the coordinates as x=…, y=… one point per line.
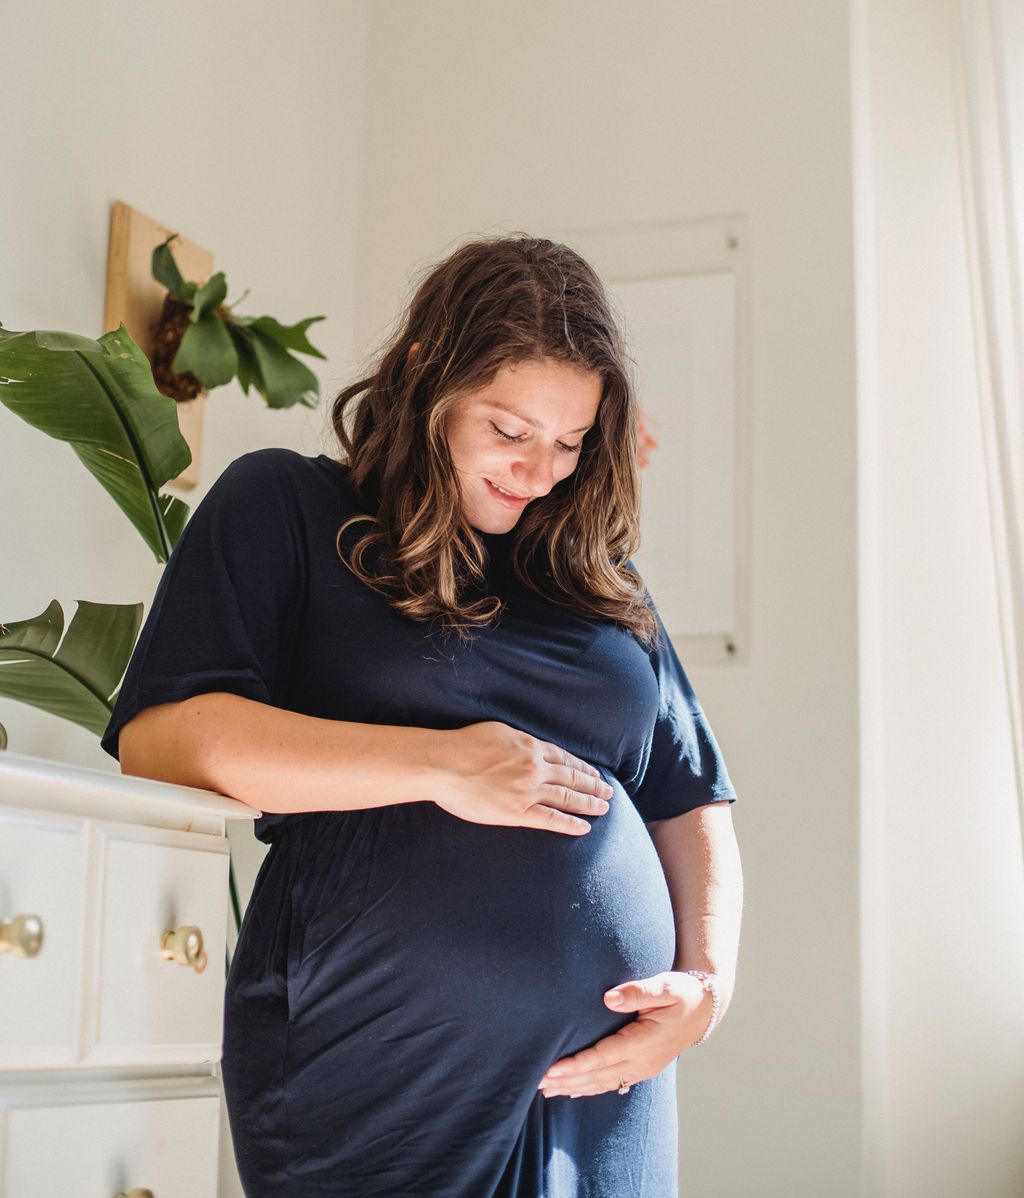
x=42, y=871
x=99, y=1149
x=148, y=1009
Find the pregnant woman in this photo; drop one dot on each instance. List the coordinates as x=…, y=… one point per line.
x=490, y=793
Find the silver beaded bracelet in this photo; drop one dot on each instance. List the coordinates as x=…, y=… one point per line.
x=708, y=982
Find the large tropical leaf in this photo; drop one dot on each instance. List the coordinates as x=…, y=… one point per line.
x=73, y=679
x=100, y=397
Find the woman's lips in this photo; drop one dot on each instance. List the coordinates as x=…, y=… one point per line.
x=507, y=500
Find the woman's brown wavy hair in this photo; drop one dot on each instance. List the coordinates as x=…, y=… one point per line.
x=494, y=301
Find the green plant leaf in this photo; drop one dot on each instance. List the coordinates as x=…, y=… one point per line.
x=248, y=367
x=165, y=270
x=209, y=297
x=73, y=679
x=286, y=380
x=207, y=351
x=100, y=397
x=288, y=337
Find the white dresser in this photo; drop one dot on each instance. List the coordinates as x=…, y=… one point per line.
x=114, y=911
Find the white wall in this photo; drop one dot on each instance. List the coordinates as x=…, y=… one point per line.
x=943, y=912
x=867, y=737
x=237, y=124
x=226, y=122
x=543, y=117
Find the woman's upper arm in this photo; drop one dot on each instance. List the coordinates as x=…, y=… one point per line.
x=228, y=606
x=683, y=768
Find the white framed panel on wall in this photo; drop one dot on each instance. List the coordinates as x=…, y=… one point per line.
x=682, y=294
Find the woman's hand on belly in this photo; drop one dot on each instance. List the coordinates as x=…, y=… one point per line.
x=673, y=1012
x=503, y=775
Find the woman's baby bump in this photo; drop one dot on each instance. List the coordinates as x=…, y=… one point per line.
x=520, y=918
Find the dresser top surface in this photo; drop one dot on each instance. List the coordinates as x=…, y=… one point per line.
x=38, y=783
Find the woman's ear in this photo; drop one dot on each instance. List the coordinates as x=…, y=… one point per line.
x=412, y=350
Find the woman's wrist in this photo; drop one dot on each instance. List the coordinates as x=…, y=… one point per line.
x=725, y=979
x=708, y=982
x=441, y=762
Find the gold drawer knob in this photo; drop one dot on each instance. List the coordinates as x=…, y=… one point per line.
x=22, y=935
x=135, y=1194
x=185, y=945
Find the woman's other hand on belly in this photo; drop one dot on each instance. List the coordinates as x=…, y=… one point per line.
x=673, y=1012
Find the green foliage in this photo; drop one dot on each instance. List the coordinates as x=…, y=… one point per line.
x=99, y=397
x=72, y=679
x=218, y=346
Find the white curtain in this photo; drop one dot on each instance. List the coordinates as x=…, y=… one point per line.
x=990, y=90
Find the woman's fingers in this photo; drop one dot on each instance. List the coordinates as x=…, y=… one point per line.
x=598, y=1080
x=557, y=794
x=573, y=770
x=577, y=777
x=572, y=785
x=561, y=756
x=567, y=801
x=631, y=1054
x=604, y=1055
x=553, y=819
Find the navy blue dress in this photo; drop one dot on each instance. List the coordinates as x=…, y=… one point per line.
x=404, y=978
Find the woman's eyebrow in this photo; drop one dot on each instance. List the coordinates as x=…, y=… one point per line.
x=529, y=419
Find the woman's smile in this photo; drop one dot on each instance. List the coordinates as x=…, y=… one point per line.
x=505, y=498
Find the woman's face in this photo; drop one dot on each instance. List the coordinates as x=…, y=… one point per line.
x=522, y=432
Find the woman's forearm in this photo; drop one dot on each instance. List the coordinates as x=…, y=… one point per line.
x=282, y=761
x=701, y=861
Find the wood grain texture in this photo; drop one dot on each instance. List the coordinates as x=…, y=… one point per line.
x=134, y=298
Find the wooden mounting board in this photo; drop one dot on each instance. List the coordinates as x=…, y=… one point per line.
x=135, y=299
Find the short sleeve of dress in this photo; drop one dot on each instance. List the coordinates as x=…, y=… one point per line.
x=682, y=767
x=226, y=610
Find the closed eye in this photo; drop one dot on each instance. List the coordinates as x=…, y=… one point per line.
x=561, y=444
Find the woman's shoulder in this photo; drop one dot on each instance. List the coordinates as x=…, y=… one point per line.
x=303, y=479
x=274, y=460
x=278, y=495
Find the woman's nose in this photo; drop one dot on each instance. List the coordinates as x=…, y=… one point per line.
x=536, y=473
